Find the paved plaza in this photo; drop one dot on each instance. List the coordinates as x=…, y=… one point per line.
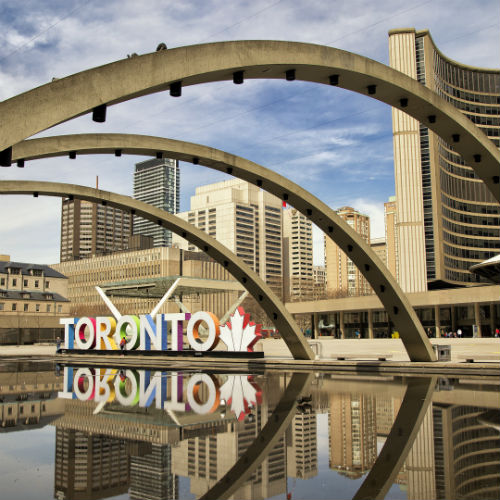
x=276, y=348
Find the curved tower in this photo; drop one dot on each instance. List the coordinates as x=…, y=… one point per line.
x=447, y=220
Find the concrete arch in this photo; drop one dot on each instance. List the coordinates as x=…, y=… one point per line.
x=404, y=430
x=392, y=297
x=264, y=442
x=269, y=302
x=55, y=102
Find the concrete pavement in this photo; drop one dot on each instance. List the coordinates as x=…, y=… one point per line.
x=329, y=348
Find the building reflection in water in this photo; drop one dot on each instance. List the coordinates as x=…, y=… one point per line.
x=144, y=450
x=353, y=433
x=28, y=395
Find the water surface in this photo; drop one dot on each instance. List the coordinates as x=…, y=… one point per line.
x=87, y=433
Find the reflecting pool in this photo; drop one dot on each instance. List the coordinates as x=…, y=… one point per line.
x=81, y=432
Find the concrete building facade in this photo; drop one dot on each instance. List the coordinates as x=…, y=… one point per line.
x=391, y=245
x=476, y=314
x=342, y=276
x=447, y=220
x=319, y=278
x=157, y=182
x=379, y=246
x=135, y=267
x=90, y=229
x=32, y=299
x=244, y=218
x=298, y=281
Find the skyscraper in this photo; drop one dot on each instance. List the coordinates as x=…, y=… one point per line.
x=447, y=220
x=89, y=229
x=342, y=276
x=298, y=282
x=157, y=182
x=245, y=219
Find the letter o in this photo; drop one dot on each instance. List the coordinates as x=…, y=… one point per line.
x=128, y=327
x=122, y=397
x=80, y=340
x=79, y=387
x=193, y=334
x=193, y=396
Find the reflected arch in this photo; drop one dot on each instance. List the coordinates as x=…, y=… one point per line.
x=385, y=286
x=264, y=296
x=173, y=69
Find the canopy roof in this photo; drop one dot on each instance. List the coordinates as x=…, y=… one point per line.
x=157, y=287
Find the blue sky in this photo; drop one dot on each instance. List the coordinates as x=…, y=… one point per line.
x=335, y=143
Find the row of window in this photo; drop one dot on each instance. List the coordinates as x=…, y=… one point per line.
x=487, y=232
x=464, y=189
x=25, y=283
x=479, y=220
x=26, y=308
x=470, y=242
x=469, y=207
x=466, y=253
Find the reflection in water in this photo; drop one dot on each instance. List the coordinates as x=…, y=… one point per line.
x=158, y=435
x=400, y=440
x=28, y=395
x=353, y=433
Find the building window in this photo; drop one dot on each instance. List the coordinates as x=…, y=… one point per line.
x=46, y=284
x=21, y=410
x=37, y=308
x=36, y=283
x=14, y=307
x=2, y=281
x=25, y=282
x=14, y=282
x=59, y=308
x=9, y=410
x=25, y=307
x=48, y=308
x=1, y=306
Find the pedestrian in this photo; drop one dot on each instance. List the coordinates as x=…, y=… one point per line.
x=497, y=332
x=459, y=333
x=122, y=345
x=358, y=335
x=58, y=344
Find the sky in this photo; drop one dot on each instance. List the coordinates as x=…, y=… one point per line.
x=334, y=143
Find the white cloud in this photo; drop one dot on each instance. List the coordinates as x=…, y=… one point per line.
x=375, y=210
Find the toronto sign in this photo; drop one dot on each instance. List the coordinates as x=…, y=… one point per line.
x=200, y=393
x=161, y=332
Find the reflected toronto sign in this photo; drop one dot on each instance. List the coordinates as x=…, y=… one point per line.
x=162, y=332
x=200, y=393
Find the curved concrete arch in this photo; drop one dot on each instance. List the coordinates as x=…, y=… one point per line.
x=264, y=442
x=273, y=307
x=404, y=430
x=55, y=102
x=385, y=286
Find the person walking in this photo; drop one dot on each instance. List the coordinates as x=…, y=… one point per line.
x=58, y=344
x=123, y=342
x=459, y=333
